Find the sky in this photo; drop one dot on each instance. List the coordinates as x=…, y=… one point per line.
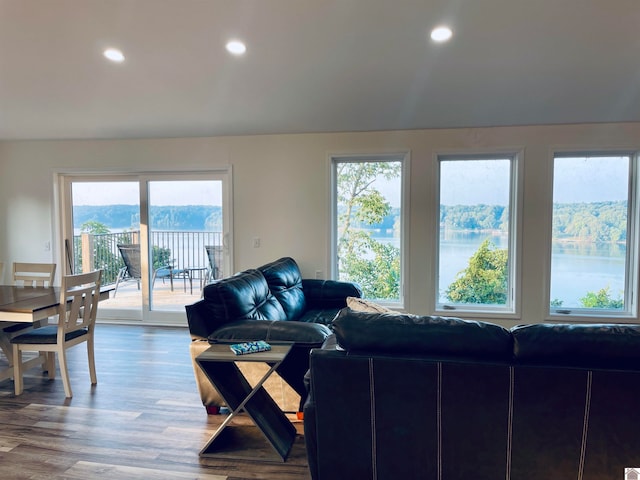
x=464, y=183
x=196, y=192
x=471, y=182
x=590, y=180
x=576, y=180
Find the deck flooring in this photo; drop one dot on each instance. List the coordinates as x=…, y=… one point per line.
x=129, y=296
x=143, y=420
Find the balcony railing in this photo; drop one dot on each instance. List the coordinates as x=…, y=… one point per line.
x=178, y=248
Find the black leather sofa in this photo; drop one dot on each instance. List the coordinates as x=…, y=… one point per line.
x=403, y=396
x=272, y=303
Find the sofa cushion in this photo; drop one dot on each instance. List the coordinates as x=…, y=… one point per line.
x=362, y=305
x=422, y=335
x=285, y=282
x=572, y=344
x=244, y=295
x=305, y=334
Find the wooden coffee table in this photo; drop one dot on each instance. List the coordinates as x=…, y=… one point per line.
x=218, y=363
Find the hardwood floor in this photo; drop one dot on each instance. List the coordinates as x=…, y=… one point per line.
x=143, y=420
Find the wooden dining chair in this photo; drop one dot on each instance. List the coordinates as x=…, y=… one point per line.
x=29, y=275
x=33, y=274
x=79, y=296
x=25, y=274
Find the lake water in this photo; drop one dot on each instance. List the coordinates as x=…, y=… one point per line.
x=576, y=268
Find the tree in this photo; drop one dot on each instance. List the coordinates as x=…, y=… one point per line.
x=484, y=281
x=103, y=256
x=93, y=227
x=379, y=276
x=601, y=299
x=362, y=259
x=161, y=257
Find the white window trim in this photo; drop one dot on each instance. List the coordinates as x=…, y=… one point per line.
x=396, y=156
x=629, y=315
x=513, y=308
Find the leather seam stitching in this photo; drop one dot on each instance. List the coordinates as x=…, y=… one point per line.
x=510, y=421
x=439, y=420
x=372, y=399
x=585, y=423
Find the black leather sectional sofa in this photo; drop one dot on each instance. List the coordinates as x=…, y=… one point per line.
x=404, y=396
x=273, y=303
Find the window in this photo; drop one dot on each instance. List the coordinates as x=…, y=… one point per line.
x=368, y=224
x=476, y=243
x=166, y=222
x=593, y=253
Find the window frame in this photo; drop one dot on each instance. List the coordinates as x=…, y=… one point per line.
x=632, y=255
x=63, y=206
x=404, y=159
x=512, y=309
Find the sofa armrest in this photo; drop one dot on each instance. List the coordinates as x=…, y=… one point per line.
x=302, y=334
x=328, y=293
x=200, y=320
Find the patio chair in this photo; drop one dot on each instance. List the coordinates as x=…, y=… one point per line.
x=214, y=254
x=132, y=269
x=79, y=296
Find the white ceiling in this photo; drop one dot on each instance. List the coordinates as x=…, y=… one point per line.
x=312, y=66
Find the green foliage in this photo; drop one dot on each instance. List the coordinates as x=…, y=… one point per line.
x=103, y=257
x=474, y=217
x=379, y=276
x=601, y=222
x=93, y=227
x=601, y=299
x=184, y=217
x=556, y=303
x=372, y=264
x=104, y=246
x=161, y=257
x=484, y=281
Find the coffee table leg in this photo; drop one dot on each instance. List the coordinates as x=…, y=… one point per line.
x=264, y=412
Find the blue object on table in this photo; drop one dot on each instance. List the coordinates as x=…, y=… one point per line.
x=250, y=347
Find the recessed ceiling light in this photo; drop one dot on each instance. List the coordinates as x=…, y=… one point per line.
x=114, y=55
x=441, y=34
x=236, y=47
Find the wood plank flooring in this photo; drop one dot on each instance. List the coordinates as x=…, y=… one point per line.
x=143, y=420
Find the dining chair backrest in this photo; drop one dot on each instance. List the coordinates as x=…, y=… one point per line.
x=77, y=311
x=79, y=296
x=1, y=271
x=33, y=274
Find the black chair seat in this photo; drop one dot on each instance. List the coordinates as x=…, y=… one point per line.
x=16, y=327
x=48, y=334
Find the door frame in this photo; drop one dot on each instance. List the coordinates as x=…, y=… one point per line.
x=63, y=227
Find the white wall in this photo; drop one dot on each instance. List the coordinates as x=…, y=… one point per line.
x=281, y=189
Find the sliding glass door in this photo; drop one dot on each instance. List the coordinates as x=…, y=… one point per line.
x=158, y=239
x=185, y=219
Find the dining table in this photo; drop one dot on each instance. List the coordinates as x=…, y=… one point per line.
x=26, y=304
